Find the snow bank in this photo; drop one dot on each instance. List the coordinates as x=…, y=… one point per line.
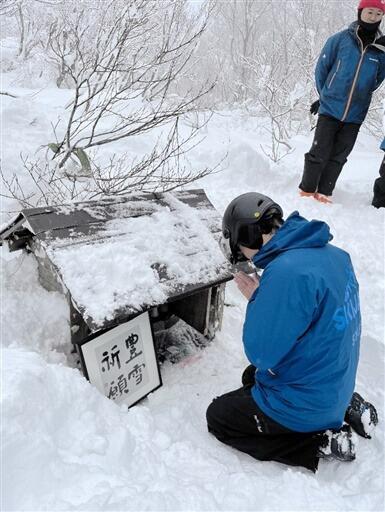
x=30, y=316
x=66, y=447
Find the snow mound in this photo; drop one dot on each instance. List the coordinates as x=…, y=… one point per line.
x=30, y=316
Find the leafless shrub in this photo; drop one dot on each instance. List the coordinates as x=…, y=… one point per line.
x=122, y=65
x=162, y=170
x=43, y=186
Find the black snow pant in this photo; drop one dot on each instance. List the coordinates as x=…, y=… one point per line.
x=332, y=144
x=379, y=188
x=236, y=420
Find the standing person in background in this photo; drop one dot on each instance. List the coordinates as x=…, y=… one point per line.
x=351, y=66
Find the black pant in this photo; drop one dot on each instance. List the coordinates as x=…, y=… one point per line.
x=236, y=420
x=332, y=144
x=379, y=188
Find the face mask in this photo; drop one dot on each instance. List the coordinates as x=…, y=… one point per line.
x=369, y=27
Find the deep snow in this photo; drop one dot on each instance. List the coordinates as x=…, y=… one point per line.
x=66, y=447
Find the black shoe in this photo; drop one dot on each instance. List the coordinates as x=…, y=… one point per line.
x=248, y=376
x=361, y=416
x=338, y=445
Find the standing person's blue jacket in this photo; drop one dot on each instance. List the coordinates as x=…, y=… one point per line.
x=302, y=328
x=383, y=145
x=346, y=75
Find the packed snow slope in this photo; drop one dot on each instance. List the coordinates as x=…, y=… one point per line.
x=66, y=447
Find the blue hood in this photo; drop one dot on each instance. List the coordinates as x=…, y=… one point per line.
x=295, y=233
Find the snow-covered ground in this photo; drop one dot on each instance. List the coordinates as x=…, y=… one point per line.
x=66, y=447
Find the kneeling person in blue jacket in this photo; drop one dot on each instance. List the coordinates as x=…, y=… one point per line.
x=301, y=335
x=350, y=67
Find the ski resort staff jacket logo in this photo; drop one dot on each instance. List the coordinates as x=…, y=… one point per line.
x=347, y=74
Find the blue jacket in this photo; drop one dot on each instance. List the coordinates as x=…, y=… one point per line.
x=341, y=60
x=302, y=328
x=383, y=145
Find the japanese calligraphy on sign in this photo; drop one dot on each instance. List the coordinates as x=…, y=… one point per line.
x=121, y=363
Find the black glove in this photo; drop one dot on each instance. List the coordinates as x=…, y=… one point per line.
x=314, y=107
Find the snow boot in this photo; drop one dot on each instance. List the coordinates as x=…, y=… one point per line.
x=302, y=193
x=322, y=198
x=338, y=445
x=361, y=416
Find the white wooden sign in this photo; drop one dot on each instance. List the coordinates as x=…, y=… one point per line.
x=121, y=362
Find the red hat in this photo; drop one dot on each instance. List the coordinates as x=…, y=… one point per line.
x=377, y=4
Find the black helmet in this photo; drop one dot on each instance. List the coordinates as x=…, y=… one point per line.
x=247, y=217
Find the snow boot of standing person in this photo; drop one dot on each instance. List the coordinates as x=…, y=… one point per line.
x=350, y=67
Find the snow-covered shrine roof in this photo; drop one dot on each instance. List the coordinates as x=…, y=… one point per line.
x=119, y=256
